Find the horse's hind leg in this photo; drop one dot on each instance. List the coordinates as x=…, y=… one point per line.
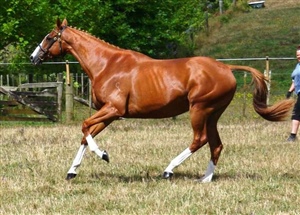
x=204, y=125
x=168, y=173
x=198, y=120
x=215, y=145
x=215, y=148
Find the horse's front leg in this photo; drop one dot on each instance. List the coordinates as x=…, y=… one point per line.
x=91, y=127
x=94, y=148
x=88, y=141
x=76, y=162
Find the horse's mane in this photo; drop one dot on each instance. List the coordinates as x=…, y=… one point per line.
x=106, y=43
x=94, y=37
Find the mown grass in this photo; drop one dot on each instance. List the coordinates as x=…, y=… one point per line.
x=257, y=173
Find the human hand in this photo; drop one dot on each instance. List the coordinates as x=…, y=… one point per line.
x=288, y=94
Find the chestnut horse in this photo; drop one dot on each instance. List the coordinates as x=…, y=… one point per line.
x=129, y=84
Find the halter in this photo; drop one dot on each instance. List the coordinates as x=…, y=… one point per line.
x=53, y=40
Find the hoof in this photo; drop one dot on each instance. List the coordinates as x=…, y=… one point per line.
x=167, y=175
x=70, y=176
x=105, y=156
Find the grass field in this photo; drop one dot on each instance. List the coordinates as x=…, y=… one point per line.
x=258, y=172
x=257, y=33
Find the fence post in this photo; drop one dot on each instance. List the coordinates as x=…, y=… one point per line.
x=59, y=96
x=20, y=79
x=1, y=83
x=245, y=94
x=82, y=85
x=76, y=79
x=268, y=77
x=69, y=100
x=221, y=6
x=7, y=80
x=67, y=73
x=90, y=97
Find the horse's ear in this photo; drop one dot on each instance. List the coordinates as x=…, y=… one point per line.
x=65, y=22
x=61, y=24
x=58, y=23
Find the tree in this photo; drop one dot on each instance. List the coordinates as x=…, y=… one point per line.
x=22, y=24
x=161, y=29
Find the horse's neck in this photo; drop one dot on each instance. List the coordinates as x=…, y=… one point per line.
x=83, y=48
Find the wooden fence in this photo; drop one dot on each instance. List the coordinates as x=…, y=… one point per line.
x=31, y=102
x=44, y=100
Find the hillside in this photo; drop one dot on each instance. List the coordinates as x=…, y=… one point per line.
x=281, y=4
x=273, y=31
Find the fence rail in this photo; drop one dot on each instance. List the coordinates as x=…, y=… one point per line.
x=80, y=87
x=31, y=102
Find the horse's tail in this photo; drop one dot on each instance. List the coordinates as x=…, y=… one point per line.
x=277, y=112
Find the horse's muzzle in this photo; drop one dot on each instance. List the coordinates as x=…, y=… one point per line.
x=36, y=60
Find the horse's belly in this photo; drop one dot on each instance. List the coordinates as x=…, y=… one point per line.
x=158, y=110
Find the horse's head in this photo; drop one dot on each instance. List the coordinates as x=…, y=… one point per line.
x=52, y=45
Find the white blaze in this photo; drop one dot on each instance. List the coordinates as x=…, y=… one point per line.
x=37, y=49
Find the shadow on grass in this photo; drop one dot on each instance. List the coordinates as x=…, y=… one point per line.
x=142, y=177
x=178, y=176
x=146, y=177
x=238, y=176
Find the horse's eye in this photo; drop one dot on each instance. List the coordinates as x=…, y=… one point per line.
x=48, y=38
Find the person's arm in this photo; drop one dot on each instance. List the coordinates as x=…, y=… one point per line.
x=292, y=88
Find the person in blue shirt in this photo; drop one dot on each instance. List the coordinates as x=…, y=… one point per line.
x=295, y=87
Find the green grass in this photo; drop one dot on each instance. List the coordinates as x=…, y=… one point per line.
x=272, y=31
